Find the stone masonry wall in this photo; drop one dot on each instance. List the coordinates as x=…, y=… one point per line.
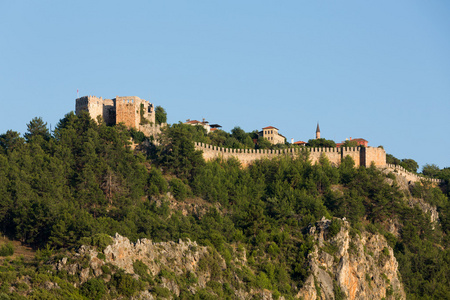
x=363, y=156
x=409, y=175
x=374, y=155
x=335, y=155
x=127, y=111
x=109, y=111
x=92, y=104
x=151, y=129
x=355, y=154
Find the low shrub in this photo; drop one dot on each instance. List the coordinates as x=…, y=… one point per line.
x=93, y=288
x=7, y=249
x=334, y=228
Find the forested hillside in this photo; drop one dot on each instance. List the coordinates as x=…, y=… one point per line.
x=82, y=183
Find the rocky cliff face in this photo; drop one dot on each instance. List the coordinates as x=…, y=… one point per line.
x=179, y=257
x=343, y=266
x=175, y=258
x=173, y=266
x=362, y=266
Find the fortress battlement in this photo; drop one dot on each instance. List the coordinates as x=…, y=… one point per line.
x=130, y=110
x=362, y=156
x=409, y=175
x=138, y=113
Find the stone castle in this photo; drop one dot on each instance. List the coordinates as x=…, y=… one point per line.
x=139, y=114
x=132, y=111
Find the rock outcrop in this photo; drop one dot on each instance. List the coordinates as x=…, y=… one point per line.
x=166, y=262
x=179, y=257
x=346, y=267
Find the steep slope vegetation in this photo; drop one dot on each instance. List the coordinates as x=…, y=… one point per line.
x=83, y=183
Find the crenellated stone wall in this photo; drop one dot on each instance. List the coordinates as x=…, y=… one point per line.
x=362, y=156
x=151, y=129
x=409, y=175
x=370, y=154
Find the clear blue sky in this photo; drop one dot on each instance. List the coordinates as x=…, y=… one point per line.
x=378, y=70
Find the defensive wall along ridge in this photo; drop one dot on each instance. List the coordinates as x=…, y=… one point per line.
x=362, y=156
x=409, y=175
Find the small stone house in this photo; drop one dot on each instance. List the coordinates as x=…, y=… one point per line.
x=271, y=134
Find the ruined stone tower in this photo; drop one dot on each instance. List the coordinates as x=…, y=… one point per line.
x=129, y=110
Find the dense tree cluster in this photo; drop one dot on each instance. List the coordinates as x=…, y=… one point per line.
x=322, y=143
x=160, y=115
x=83, y=180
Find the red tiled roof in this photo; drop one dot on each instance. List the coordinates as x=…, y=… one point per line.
x=358, y=141
x=270, y=127
x=299, y=143
x=193, y=122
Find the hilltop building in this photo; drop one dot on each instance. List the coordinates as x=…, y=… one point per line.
x=204, y=124
x=215, y=127
x=359, y=142
x=132, y=111
x=317, y=131
x=271, y=134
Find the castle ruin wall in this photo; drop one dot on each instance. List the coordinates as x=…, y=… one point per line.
x=151, y=129
x=92, y=104
x=409, y=175
x=335, y=155
x=109, y=111
x=374, y=155
x=355, y=154
x=126, y=110
x=363, y=156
